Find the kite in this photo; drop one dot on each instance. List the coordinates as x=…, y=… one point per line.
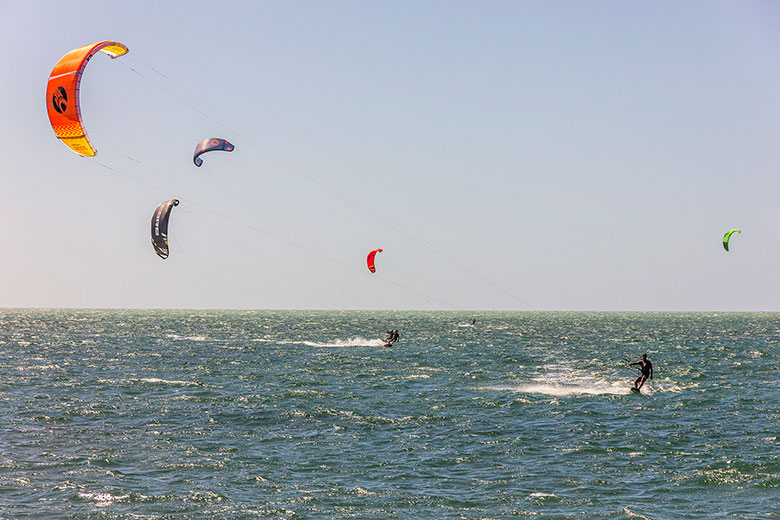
x=727, y=237
x=160, y=227
x=62, y=94
x=370, y=259
x=210, y=145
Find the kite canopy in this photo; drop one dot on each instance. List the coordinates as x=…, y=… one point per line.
x=370, y=260
x=62, y=94
x=160, y=227
x=727, y=237
x=210, y=145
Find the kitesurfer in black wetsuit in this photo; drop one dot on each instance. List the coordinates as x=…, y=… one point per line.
x=647, y=371
x=392, y=337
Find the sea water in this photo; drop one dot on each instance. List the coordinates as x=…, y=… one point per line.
x=235, y=414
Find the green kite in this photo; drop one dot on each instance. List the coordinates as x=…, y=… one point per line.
x=727, y=237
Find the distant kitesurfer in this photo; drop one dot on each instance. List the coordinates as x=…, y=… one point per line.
x=647, y=371
x=473, y=321
x=392, y=337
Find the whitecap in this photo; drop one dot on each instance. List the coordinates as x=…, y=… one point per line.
x=167, y=381
x=102, y=499
x=187, y=338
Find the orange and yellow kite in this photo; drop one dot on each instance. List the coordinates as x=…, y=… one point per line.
x=62, y=94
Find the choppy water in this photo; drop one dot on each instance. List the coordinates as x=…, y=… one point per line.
x=190, y=414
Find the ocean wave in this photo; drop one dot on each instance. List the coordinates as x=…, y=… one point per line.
x=187, y=338
x=167, y=381
x=101, y=499
x=153, y=380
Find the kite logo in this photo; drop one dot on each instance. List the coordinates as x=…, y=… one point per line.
x=60, y=100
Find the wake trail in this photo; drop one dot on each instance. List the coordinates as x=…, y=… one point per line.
x=356, y=341
x=560, y=380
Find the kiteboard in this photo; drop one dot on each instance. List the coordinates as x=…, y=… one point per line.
x=635, y=391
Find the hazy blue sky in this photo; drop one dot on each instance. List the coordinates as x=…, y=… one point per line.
x=574, y=155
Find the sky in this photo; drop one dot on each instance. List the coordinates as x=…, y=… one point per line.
x=517, y=155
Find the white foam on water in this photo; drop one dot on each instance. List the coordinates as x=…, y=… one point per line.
x=561, y=379
x=558, y=380
x=187, y=338
x=102, y=499
x=37, y=368
x=167, y=381
x=351, y=342
x=631, y=514
x=560, y=390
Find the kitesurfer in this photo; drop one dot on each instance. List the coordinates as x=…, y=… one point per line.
x=392, y=337
x=646, y=368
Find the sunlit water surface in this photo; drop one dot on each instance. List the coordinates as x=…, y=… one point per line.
x=230, y=414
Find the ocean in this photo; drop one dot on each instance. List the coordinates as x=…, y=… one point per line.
x=131, y=414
